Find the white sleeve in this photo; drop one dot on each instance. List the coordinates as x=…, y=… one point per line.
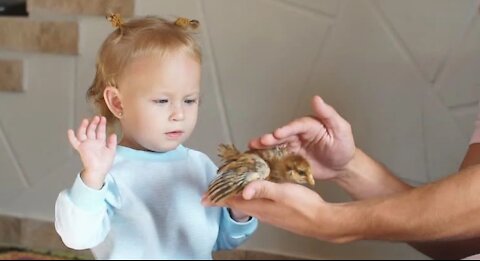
x=81, y=216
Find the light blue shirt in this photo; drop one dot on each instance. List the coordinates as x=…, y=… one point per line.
x=149, y=208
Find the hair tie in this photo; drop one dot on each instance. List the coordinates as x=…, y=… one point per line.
x=185, y=22
x=115, y=20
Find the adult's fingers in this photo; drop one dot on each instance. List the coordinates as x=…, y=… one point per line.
x=327, y=115
x=296, y=127
x=269, y=140
x=259, y=208
x=324, y=113
x=264, y=141
x=261, y=190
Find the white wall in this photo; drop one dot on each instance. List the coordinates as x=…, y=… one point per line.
x=404, y=73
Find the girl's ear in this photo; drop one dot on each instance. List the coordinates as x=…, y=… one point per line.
x=113, y=101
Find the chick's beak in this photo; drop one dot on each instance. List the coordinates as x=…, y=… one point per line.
x=311, y=181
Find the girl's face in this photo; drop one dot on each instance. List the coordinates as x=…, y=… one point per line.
x=159, y=98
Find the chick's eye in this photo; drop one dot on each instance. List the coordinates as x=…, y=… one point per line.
x=161, y=101
x=302, y=173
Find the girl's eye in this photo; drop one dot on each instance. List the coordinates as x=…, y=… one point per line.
x=161, y=101
x=190, y=101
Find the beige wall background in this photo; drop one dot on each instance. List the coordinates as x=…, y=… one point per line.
x=404, y=73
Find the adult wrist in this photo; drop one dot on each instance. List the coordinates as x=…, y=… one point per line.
x=342, y=225
x=350, y=171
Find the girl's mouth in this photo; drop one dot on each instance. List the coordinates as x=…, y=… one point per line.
x=174, y=134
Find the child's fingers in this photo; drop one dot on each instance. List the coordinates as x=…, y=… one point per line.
x=112, y=141
x=82, y=130
x=101, y=128
x=73, y=140
x=91, y=130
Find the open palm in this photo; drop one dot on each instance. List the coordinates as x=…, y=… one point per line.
x=96, y=152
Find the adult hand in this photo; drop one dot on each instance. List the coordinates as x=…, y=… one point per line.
x=325, y=139
x=289, y=206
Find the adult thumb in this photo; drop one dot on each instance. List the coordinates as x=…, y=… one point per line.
x=327, y=115
x=259, y=190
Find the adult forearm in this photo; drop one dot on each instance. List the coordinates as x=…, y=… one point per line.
x=444, y=210
x=472, y=156
x=454, y=249
x=365, y=178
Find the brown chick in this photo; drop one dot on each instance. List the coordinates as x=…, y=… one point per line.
x=238, y=169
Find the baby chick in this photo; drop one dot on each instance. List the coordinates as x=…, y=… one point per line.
x=238, y=169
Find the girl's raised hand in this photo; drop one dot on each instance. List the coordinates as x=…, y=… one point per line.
x=96, y=151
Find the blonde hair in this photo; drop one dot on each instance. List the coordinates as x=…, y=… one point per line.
x=136, y=38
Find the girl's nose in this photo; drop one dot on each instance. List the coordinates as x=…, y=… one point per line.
x=177, y=114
